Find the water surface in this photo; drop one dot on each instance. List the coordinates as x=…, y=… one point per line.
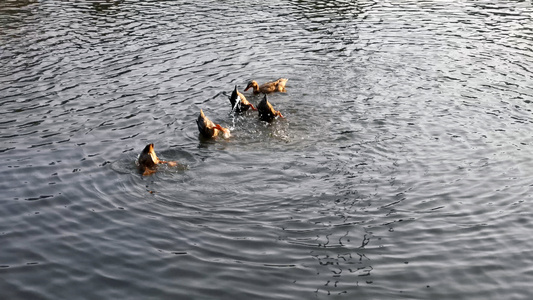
x=402, y=168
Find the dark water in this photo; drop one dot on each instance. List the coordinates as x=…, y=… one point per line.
x=401, y=171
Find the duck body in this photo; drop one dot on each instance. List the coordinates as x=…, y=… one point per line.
x=266, y=111
x=269, y=87
x=208, y=129
x=148, y=160
x=239, y=103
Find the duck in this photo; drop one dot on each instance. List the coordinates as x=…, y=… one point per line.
x=239, y=103
x=266, y=111
x=148, y=160
x=269, y=87
x=208, y=129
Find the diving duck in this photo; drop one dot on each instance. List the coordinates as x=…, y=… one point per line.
x=266, y=111
x=239, y=103
x=148, y=161
x=208, y=129
x=269, y=87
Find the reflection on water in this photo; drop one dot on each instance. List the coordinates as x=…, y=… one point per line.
x=401, y=168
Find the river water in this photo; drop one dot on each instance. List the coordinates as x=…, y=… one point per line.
x=402, y=168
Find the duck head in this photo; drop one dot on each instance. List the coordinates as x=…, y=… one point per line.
x=252, y=84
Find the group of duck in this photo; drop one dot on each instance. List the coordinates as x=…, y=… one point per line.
x=148, y=159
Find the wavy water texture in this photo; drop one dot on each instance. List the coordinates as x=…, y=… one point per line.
x=401, y=169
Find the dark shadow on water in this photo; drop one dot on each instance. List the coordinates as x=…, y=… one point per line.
x=12, y=5
x=105, y=5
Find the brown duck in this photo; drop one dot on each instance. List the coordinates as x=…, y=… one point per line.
x=239, y=103
x=269, y=87
x=148, y=161
x=266, y=111
x=208, y=129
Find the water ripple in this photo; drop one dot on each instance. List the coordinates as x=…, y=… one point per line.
x=401, y=168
